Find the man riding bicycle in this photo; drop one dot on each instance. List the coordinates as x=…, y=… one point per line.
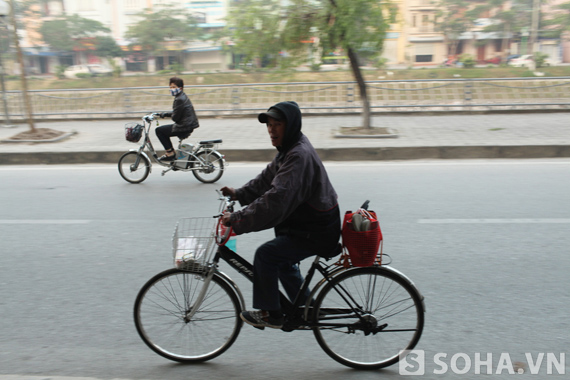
x=294, y=196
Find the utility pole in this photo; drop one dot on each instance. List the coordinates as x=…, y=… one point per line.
x=534, y=26
x=4, y=11
x=24, y=81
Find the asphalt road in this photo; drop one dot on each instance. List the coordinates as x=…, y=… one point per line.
x=485, y=241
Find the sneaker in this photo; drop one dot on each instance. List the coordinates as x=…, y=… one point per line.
x=261, y=319
x=166, y=158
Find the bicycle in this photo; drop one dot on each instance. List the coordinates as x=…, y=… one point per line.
x=362, y=317
x=204, y=161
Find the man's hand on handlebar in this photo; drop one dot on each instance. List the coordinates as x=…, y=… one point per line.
x=226, y=219
x=229, y=192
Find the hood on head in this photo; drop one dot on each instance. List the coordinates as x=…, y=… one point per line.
x=291, y=113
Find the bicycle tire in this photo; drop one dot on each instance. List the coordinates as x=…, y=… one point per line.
x=161, y=307
x=392, y=318
x=126, y=170
x=214, y=163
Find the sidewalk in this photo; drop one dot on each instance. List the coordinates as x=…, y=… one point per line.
x=446, y=136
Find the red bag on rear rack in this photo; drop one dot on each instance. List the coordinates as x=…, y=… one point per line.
x=362, y=246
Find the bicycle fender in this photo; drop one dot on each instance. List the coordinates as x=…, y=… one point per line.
x=406, y=279
x=142, y=153
x=217, y=154
x=146, y=156
x=336, y=272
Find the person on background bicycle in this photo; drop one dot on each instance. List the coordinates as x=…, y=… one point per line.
x=183, y=115
x=293, y=195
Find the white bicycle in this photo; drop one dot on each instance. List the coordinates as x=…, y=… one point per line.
x=203, y=160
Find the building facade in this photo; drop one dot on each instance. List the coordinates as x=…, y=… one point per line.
x=412, y=41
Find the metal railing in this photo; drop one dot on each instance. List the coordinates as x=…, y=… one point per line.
x=316, y=98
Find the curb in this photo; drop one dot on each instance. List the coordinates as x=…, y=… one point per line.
x=57, y=139
x=332, y=154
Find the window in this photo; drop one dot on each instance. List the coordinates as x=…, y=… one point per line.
x=135, y=4
x=424, y=58
x=424, y=52
x=84, y=5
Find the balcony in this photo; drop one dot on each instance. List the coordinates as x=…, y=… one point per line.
x=423, y=4
x=423, y=29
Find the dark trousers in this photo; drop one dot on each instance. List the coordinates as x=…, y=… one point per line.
x=277, y=260
x=164, y=133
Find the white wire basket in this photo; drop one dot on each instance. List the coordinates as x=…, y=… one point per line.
x=193, y=242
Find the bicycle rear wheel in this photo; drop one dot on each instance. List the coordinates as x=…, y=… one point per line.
x=211, y=166
x=134, y=173
x=161, y=310
x=367, y=317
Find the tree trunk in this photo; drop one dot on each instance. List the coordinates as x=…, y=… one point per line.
x=361, y=86
x=505, y=43
x=27, y=102
x=533, y=38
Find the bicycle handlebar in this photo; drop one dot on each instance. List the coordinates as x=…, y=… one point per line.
x=227, y=204
x=150, y=117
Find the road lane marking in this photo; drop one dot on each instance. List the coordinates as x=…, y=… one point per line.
x=497, y=221
x=44, y=221
x=432, y=162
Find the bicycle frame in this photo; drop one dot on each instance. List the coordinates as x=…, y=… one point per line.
x=362, y=317
x=297, y=315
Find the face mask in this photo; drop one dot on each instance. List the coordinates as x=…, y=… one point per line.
x=175, y=91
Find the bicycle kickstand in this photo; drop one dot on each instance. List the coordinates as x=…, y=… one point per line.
x=166, y=171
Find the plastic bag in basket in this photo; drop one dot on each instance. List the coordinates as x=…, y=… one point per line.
x=188, y=249
x=361, y=236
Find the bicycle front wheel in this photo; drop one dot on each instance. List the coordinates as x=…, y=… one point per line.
x=367, y=317
x=209, y=167
x=134, y=168
x=164, y=321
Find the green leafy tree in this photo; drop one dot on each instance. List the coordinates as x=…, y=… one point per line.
x=452, y=20
x=467, y=60
x=155, y=29
x=107, y=47
x=540, y=59
x=355, y=25
x=504, y=20
x=67, y=33
x=255, y=27
x=558, y=22
x=514, y=17
x=263, y=28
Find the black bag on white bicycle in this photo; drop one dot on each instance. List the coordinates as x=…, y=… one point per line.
x=133, y=132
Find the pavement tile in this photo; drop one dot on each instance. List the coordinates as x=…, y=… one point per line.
x=475, y=131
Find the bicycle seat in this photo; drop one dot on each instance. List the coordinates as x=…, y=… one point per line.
x=208, y=142
x=335, y=252
x=184, y=136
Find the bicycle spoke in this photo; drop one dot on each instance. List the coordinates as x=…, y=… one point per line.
x=161, y=316
x=366, y=317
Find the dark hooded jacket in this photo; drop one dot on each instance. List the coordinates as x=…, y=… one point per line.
x=293, y=193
